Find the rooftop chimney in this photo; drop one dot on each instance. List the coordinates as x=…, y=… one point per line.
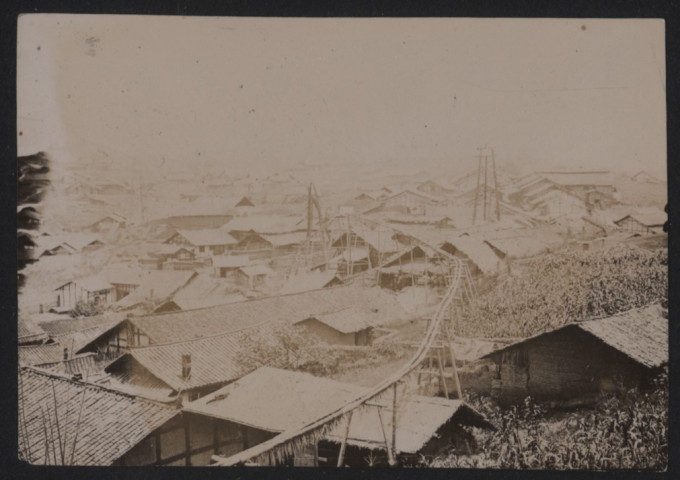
x=66, y=354
x=186, y=366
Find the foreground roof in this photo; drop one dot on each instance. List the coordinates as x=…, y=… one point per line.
x=641, y=334
x=109, y=425
x=418, y=421
x=213, y=361
x=275, y=400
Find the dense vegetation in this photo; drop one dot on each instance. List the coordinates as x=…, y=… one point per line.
x=289, y=347
x=628, y=431
x=551, y=290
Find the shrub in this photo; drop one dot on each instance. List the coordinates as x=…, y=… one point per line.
x=627, y=431
x=552, y=290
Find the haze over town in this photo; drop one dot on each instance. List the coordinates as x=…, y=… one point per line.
x=342, y=242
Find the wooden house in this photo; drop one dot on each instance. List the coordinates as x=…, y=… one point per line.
x=254, y=276
x=349, y=326
x=203, y=242
x=109, y=223
x=225, y=266
x=579, y=361
x=555, y=202
x=95, y=290
x=643, y=222
x=432, y=188
x=582, y=181
x=188, y=369
x=180, y=326
x=154, y=287
x=406, y=201
x=244, y=202
x=481, y=258
x=97, y=426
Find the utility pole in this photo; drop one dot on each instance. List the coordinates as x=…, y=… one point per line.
x=482, y=192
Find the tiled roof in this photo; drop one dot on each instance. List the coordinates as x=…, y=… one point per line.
x=598, y=178
x=284, y=239
x=212, y=361
x=108, y=426
x=69, y=325
x=641, y=334
x=40, y=354
x=263, y=224
x=186, y=325
x=28, y=331
x=307, y=281
x=208, y=237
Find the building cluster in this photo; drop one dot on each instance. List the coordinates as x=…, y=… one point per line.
x=129, y=327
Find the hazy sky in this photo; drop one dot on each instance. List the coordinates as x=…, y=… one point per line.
x=260, y=92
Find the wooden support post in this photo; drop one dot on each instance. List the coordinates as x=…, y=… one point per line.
x=390, y=448
x=442, y=380
x=187, y=441
x=394, y=421
x=459, y=392
x=343, y=445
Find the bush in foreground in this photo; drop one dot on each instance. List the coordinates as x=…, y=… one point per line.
x=622, y=432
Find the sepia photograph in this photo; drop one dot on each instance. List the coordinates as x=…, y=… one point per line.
x=342, y=242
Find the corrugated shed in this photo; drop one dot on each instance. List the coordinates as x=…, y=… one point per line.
x=418, y=420
x=212, y=361
x=186, y=325
x=275, y=400
x=110, y=424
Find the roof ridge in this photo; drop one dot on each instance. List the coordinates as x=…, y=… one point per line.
x=67, y=378
x=278, y=295
x=206, y=337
